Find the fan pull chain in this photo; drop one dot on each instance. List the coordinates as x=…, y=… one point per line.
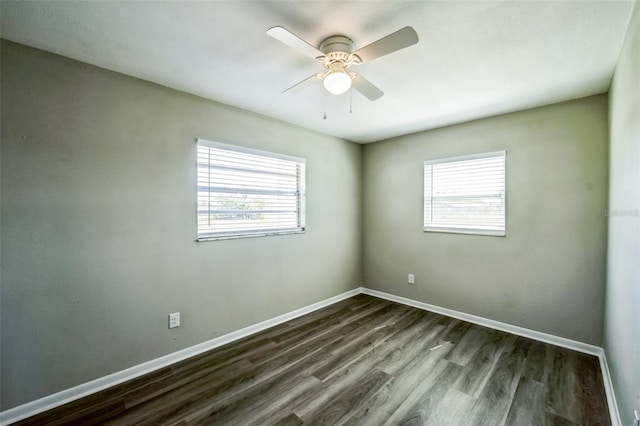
x=324, y=104
x=351, y=100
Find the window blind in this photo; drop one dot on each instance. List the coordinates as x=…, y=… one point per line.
x=465, y=194
x=245, y=193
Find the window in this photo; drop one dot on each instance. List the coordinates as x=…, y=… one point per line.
x=465, y=194
x=247, y=193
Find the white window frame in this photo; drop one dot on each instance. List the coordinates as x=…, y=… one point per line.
x=461, y=228
x=257, y=232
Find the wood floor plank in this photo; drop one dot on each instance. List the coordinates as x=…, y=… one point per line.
x=555, y=420
x=529, y=404
x=227, y=353
x=352, y=350
x=456, y=330
x=272, y=413
x=182, y=396
x=496, y=397
x=468, y=345
x=346, y=313
x=85, y=408
x=453, y=410
x=296, y=332
x=420, y=368
x=425, y=397
x=341, y=406
x=160, y=387
x=319, y=395
x=592, y=397
x=361, y=361
x=563, y=385
x=480, y=365
x=209, y=400
x=98, y=413
x=337, y=383
x=353, y=328
x=289, y=420
x=536, y=367
x=299, y=360
x=220, y=385
x=258, y=403
x=404, y=347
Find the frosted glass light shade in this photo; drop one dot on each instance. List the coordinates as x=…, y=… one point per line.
x=337, y=82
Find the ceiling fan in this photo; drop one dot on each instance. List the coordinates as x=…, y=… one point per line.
x=336, y=55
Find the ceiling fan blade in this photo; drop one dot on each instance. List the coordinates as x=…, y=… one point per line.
x=395, y=41
x=298, y=87
x=363, y=86
x=294, y=41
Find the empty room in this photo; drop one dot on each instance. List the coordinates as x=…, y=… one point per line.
x=320, y=212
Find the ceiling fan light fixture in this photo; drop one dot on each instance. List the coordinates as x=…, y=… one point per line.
x=337, y=81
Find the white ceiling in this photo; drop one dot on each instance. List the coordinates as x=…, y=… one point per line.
x=474, y=58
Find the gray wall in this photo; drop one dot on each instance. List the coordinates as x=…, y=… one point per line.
x=548, y=273
x=98, y=224
x=622, y=309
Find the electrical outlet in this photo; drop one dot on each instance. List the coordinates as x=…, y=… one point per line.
x=412, y=279
x=174, y=320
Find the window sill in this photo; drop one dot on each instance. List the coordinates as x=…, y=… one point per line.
x=252, y=235
x=468, y=231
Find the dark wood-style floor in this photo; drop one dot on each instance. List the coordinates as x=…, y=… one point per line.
x=361, y=361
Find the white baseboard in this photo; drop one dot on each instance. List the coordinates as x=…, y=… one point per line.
x=608, y=388
x=57, y=399
x=520, y=331
x=497, y=325
x=43, y=404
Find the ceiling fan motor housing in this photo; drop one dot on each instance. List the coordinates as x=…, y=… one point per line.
x=338, y=49
x=337, y=43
